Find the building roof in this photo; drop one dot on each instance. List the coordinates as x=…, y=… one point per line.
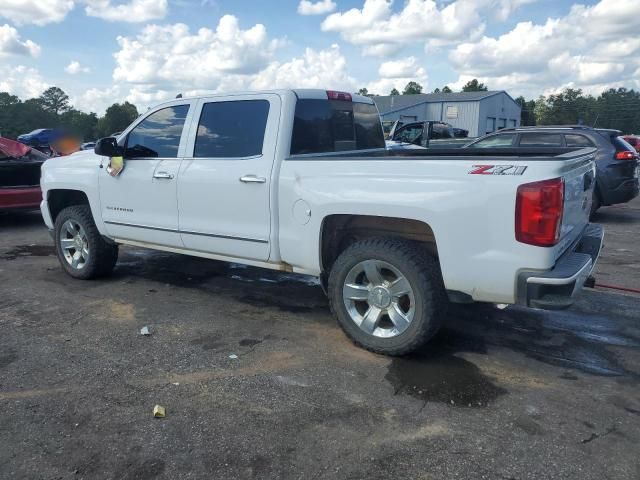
x=389, y=103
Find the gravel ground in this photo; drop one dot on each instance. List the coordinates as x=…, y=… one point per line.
x=498, y=394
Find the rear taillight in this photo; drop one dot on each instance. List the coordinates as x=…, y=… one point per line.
x=539, y=208
x=333, y=95
x=626, y=155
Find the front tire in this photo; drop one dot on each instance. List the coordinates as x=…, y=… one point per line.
x=387, y=295
x=80, y=248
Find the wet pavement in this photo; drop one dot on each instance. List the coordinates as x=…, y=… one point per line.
x=259, y=382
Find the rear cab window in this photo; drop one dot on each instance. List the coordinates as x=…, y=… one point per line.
x=327, y=126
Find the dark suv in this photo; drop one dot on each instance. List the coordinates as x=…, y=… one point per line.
x=616, y=160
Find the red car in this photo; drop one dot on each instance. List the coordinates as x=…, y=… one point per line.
x=19, y=176
x=633, y=141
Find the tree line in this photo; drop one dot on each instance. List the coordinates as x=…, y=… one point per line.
x=614, y=108
x=52, y=109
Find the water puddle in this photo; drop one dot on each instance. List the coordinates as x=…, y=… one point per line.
x=436, y=374
x=568, y=339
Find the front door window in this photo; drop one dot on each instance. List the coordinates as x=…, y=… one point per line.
x=158, y=135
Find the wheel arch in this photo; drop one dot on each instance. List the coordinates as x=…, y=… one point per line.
x=59, y=199
x=338, y=231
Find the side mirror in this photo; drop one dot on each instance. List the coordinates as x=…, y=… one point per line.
x=108, y=147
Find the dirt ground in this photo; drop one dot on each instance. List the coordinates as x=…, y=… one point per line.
x=498, y=394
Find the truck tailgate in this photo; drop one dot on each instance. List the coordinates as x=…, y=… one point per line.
x=579, y=182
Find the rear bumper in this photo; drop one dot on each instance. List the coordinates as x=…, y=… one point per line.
x=20, y=198
x=555, y=289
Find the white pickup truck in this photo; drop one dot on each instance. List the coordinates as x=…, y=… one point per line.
x=300, y=181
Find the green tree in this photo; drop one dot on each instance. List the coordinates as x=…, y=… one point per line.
x=474, y=86
x=412, y=88
x=446, y=89
x=394, y=91
x=568, y=107
x=54, y=100
x=619, y=109
x=437, y=90
x=18, y=117
x=7, y=99
x=116, y=118
x=365, y=92
x=527, y=113
x=81, y=124
x=542, y=111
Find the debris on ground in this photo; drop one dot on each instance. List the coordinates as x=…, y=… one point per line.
x=233, y=356
x=159, y=411
x=145, y=331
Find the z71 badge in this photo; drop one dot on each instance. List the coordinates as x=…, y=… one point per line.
x=497, y=170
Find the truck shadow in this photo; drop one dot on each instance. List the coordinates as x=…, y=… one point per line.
x=20, y=218
x=586, y=338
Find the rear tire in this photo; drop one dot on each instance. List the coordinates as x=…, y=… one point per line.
x=400, y=307
x=80, y=248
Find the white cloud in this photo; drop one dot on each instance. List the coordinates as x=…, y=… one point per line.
x=96, y=99
x=135, y=11
x=315, y=69
x=164, y=60
x=396, y=74
x=305, y=7
x=504, y=8
x=75, y=68
x=592, y=47
x=381, y=31
x=12, y=44
x=22, y=81
x=171, y=54
x=403, y=68
x=37, y=12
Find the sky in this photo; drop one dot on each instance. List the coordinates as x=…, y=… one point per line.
x=146, y=51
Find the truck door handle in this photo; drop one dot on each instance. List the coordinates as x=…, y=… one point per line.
x=252, y=179
x=164, y=175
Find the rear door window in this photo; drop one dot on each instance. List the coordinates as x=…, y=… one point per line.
x=540, y=140
x=325, y=126
x=578, y=141
x=504, y=140
x=158, y=135
x=232, y=129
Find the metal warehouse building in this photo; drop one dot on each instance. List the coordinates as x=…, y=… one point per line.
x=478, y=112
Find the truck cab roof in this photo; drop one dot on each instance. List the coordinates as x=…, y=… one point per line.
x=300, y=93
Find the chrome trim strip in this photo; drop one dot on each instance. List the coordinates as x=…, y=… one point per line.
x=160, y=229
